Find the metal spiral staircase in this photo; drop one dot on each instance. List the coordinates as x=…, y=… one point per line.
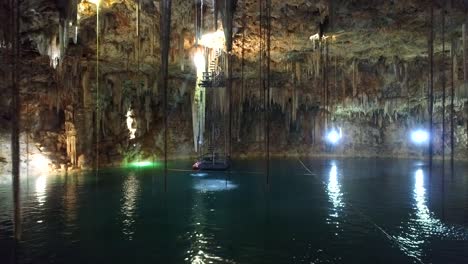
x=214, y=77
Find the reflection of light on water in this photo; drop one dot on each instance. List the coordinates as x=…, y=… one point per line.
x=5, y=179
x=200, y=244
x=213, y=185
x=334, y=191
x=422, y=211
x=40, y=188
x=130, y=194
x=70, y=200
x=335, y=196
x=199, y=174
x=424, y=225
x=203, y=243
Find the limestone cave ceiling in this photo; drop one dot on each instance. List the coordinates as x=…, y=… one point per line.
x=365, y=29
x=378, y=78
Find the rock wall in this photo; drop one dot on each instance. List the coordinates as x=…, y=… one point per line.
x=348, y=78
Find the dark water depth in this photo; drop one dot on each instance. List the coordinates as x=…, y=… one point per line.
x=314, y=211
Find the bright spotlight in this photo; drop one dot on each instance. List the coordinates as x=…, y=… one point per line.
x=199, y=61
x=419, y=136
x=334, y=136
x=39, y=163
x=96, y=2
x=213, y=40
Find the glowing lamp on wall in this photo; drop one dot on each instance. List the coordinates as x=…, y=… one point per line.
x=334, y=136
x=420, y=136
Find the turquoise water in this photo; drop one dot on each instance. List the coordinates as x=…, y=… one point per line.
x=321, y=211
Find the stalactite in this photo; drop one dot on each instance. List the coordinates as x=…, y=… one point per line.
x=354, y=76
x=155, y=88
x=380, y=120
x=298, y=72
x=386, y=108
x=455, y=67
x=148, y=111
x=396, y=68
x=317, y=64
x=343, y=86
x=295, y=104
x=405, y=80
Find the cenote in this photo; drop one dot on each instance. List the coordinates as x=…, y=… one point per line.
x=332, y=212
x=233, y=131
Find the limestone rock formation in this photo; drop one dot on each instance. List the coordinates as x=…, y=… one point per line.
x=334, y=63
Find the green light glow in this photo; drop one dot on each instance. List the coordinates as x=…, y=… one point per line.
x=141, y=164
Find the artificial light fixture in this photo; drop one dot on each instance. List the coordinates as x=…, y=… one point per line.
x=213, y=40
x=199, y=61
x=141, y=164
x=419, y=136
x=334, y=136
x=96, y=2
x=39, y=163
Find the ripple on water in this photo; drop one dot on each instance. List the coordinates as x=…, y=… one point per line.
x=214, y=185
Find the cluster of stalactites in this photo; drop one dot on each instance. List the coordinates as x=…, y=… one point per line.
x=54, y=42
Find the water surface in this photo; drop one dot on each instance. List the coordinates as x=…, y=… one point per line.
x=314, y=211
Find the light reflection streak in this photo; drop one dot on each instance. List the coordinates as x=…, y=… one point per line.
x=70, y=199
x=334, y=188
x=40, y=188
x=335, y=196
x=131, y=188
x=423, y=224
x=214, y=185
x=202, y=241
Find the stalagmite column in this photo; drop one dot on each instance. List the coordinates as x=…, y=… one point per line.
x=70, y=134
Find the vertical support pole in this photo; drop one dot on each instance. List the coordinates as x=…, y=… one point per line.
x=229, y=87
x=97, y=117
x=443, y=88
x=452, y=107
x=15, y=116
x=465, y=55
x=268, y=84
x=138, y=6
x=260, y=60
x=228, y=13
x=443, y=111
x=431, y=87
x=165, y=23
x=196, y=23
x=327, y=88
x=241, y=100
